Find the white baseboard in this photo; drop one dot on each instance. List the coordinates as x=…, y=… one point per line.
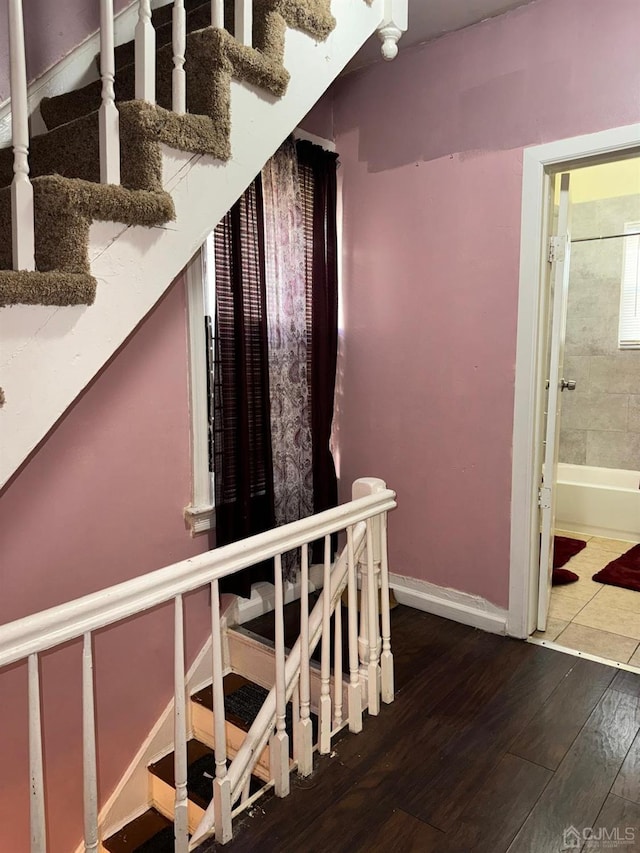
x=450, y=603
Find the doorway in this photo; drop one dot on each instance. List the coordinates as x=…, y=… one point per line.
x=542, y=167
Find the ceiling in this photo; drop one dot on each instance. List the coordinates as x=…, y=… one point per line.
x=429, y=19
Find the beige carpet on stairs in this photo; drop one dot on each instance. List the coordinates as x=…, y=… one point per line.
x=65, y=165
x=64, y=162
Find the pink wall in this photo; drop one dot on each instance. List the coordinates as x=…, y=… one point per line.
x=51, y=31
x=431, y=153
x=100, y=502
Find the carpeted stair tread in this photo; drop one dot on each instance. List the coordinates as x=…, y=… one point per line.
x=208, y=52
x=151, y=832
x=65, y=161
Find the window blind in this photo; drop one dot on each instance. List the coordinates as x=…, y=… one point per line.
x=629, y=330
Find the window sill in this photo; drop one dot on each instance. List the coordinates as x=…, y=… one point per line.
x=200, y=519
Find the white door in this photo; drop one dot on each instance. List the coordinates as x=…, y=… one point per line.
x=559, y=253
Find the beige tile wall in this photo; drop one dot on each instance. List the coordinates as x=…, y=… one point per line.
x=601, y=419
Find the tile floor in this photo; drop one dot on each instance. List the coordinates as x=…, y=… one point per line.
x=593, y=617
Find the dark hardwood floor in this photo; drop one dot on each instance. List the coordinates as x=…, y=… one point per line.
x=492, y=745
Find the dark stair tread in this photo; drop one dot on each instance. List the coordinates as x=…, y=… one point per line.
x=263, y=628
x=149, y=833
x=201, y=772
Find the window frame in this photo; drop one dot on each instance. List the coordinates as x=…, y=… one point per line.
x=626, y=340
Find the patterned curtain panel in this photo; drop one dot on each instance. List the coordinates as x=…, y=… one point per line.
x=275, y=349
x=287, y=337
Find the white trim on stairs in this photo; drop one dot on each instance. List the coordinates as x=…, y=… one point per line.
x=450, y=603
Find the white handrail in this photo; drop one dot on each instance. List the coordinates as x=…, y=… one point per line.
x=22, y=221
x=57, y=625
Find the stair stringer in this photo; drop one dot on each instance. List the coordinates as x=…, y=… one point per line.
x=49, y=355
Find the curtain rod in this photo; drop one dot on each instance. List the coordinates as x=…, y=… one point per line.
x=327, y=144
x=606, y=237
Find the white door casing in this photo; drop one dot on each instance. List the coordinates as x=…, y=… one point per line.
x=539, y=163
x=559, y=257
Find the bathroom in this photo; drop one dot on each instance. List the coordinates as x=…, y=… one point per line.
x=598, y=480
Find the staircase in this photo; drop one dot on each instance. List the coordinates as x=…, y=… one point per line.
x=251, y=664
x=260, y=702
x=108, y=206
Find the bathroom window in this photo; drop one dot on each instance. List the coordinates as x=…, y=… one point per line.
x=629, y=331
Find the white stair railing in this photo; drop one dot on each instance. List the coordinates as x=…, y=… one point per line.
x=244, y=21
x=217, y=14
x=109, y=118
x=22, y=221
x=29, y=637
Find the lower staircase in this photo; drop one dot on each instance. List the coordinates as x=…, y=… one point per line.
x=246, y=687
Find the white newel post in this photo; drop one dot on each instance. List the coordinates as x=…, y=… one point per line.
x=23, y=240
x=394, y=23
x=370, y=640
x=355, y=690
x=145, y=55
x=109, y=118
x=279, y=741
x=221, y=783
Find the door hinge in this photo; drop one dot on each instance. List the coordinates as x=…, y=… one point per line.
x=556, y=249
x=544, y=497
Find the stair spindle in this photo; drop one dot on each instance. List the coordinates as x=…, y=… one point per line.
x=145, y=54
x=355, y=690
x=372, y=625
x=305, y=758
x=217, y=14
x=244, y=21
x=23, y=240
x=337, y=669
x=180, y=820
x=36, y=787
x=279, y=742
x=179, y=78
x=221, y=783
x=325, y=657
x=109, y=118
x=89, y=750
x=386, y=658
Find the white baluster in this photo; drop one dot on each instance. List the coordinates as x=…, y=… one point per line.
x=221, y=784
x=89, y=750
x=179, y=78
x=279, y=742
x=37, y=820
x=355, y=690
x=109, y=119
x=373, y=689
x=145, y=54
x=23, y=240
x=217, y=14
x=305, y=758
x=324, y=710
x=337, y=672
x=386, y=658
x=244, y=23
x=180, y=820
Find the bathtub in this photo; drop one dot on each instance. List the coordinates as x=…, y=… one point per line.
x=599, y=501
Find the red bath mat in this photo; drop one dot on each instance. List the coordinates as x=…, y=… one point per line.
x=564, y=549
x=624, y=571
